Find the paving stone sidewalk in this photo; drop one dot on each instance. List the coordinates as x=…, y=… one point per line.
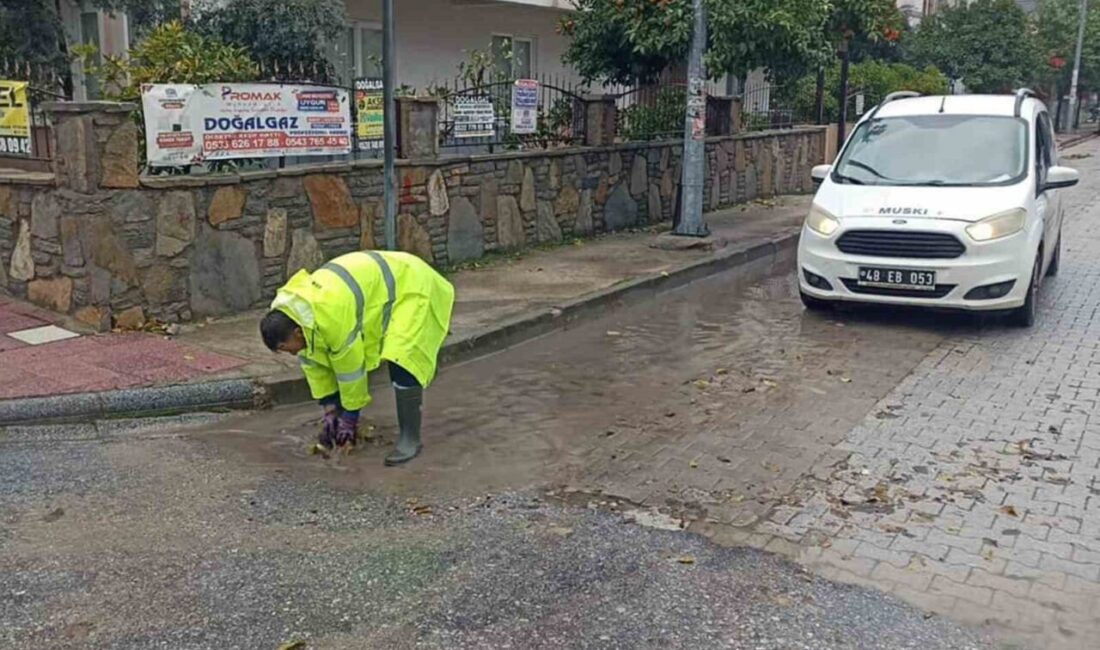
x=971, y=489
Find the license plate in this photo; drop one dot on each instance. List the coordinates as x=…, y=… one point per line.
x=897, y=278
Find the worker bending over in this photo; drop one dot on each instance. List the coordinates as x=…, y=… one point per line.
x=344, y=319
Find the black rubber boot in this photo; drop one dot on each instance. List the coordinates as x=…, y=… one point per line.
x=408, y=445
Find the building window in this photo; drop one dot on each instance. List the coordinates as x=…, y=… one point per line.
x=358, y=53
x=514, y=55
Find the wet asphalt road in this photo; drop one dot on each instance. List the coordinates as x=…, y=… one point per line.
x=221, y=532
x=146, y=540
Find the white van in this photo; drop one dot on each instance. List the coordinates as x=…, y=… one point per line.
x=947, y=202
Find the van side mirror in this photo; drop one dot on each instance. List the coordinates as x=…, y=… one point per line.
x=1059, y=177
x=820, y=172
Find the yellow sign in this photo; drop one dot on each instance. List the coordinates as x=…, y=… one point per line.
x=15, y=118
x=369, y=110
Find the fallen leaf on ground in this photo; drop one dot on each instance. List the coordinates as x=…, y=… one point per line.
x=770, y=466
x=693, y=464
x=614, y=333
x=686, y=559
x=988, y=554
x=422, y=510
x=1010, y=511
x=54, y=515
x=723, y=459
x=721, y=371
x=781, y=600
x=701, y=383
x=318, y=450
x=845, y=380
x=769, y=383
x=293, y=645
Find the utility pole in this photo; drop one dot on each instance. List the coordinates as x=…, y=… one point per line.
x=695, y=132
x=1084, y=12
x=389, y=124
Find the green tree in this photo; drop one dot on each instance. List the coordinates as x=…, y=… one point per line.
x=31, y=30
x=170, y=53
x=988, y=44
x=292, y=32
x=1056, y=38
x=623, y=41
x=874, y=79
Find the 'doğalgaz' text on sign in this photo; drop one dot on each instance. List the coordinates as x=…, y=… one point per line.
x=187, y=124
x=369, y=114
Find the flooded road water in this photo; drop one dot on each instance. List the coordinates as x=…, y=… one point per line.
x=710, y=401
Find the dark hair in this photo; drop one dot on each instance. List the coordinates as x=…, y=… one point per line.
x=276, y=327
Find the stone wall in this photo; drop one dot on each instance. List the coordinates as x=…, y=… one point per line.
x=175, y=248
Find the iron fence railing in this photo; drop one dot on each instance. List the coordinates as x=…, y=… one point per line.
x=477, y=117
x=650, y=112
x=767, y=106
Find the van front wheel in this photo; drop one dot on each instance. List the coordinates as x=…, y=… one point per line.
x=1025, y=316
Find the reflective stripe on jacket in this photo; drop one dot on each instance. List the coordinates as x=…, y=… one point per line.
x=364, y=308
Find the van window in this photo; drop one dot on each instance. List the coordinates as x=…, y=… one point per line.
x=1044, y=148
x=936, y=150
x=1042, y=153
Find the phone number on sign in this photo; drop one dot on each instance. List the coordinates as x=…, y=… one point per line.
x=268, y=141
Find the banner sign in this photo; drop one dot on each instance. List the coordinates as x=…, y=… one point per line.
x=474, y=116
x=186, y=124
x=369, y=108
x=15, y=118
x=525, y=106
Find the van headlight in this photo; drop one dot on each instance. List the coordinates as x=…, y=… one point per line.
x=821, y=221
x=999, y=225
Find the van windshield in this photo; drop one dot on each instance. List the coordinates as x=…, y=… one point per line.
x=936, y=150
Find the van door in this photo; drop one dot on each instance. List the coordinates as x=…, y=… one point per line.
x=1054, y=199
x=1043, y=208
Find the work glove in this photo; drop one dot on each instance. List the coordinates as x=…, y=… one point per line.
x=347, y=429
x=329, y=423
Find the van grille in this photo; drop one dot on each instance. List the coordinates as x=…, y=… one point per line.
x=901, y=243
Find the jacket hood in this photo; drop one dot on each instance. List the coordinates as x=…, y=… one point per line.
x=295, y=299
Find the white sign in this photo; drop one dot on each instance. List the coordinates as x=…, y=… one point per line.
x=186, y=124
x=474, y=116
x=859, y=104
x=525, y=106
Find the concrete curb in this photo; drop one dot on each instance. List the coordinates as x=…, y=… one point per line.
x=1073, y=142
x=130, y=402
x=264, y=392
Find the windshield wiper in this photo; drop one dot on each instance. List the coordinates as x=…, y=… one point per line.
x=847, y=179
x=867, y=168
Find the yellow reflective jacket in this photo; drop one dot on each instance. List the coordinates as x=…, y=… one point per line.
x=364, y=308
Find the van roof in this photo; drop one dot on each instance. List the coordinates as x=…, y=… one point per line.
x=959, y=105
